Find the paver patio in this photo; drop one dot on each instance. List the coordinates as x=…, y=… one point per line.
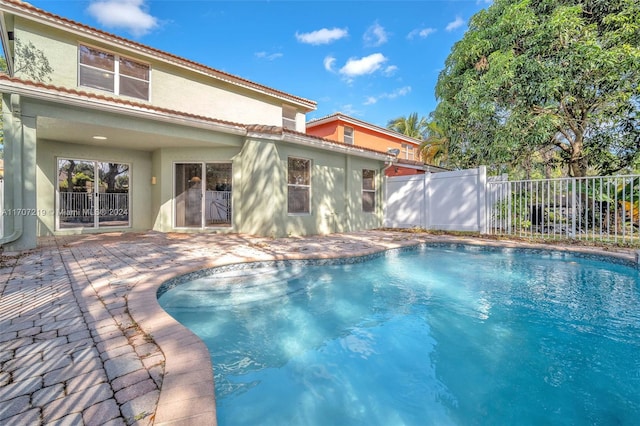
x=84, y=341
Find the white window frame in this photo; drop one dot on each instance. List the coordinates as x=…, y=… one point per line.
x=116, y=72
x=96, y=223
x=299, y=185
x=369, y=190
x=289, y=117
x=408, y=151
x=348, y=139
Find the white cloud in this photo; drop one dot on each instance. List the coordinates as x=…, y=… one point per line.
x=454, y=25
x=349, y=110
x=371, y=100
x=402, y=91
x=323, y=36
x=361, y=66
x=375, y=35
x=390, y=70
x=421, y=32
x=328, y=62
x=268, y=56
x=132, y=15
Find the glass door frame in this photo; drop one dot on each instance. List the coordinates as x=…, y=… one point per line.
x=204, y=210
x=96, y=208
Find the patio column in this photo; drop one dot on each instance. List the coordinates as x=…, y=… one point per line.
x=20, y=206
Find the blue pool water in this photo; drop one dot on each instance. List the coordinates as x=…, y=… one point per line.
x=441, y=335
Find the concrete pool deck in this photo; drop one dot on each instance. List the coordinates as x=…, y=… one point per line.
x=83, y=340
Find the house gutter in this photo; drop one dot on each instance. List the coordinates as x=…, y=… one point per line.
x=386, y=167
x=15, y=165
x=313, y=142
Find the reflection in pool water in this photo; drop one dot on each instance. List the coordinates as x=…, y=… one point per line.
x=433, y=336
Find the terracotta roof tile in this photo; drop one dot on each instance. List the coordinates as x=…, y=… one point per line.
x=261, y=128
x=196, y=65
x=112, y=99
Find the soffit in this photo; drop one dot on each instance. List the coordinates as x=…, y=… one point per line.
x=69, y=131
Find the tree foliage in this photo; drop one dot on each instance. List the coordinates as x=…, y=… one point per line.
x=411, y=126
x=534, y=74
x=434, y=149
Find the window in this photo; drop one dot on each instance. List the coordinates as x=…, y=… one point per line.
x=288, y=118
x=299, y=185
x=110, y=72
x=407, y=152
x=368, y=190
x=348, y=135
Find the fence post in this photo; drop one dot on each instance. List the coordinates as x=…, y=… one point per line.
x=482, y=200
x=426, y=216
x=574, y=210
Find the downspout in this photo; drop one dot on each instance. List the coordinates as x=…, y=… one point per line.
x=383, y=176
x=15, y=167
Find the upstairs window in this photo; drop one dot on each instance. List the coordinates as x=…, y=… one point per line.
x=288, y=118
x=368, y=191
x=407, y=152
x=113, y=73
x=299, y=186
x=348, y=135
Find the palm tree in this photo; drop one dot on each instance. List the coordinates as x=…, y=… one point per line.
x=409, y=126
x=434, y=149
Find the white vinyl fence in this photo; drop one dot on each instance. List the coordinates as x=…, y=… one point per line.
x=453, y=201
x=592, y=208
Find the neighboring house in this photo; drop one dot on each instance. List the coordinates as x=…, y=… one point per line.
x=343, y=128
x=124, y=137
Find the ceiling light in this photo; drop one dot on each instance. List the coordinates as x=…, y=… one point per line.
x=100, y=138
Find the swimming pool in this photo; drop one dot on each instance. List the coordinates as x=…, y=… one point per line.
x=444, y=334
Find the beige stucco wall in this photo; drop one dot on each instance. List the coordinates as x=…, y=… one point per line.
x=60, y=49
x=336, y=191
x=202, y=96
x=171, y=86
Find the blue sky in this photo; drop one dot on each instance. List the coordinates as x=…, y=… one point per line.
x=373, y=60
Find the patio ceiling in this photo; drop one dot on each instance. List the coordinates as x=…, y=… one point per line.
x=154, y=137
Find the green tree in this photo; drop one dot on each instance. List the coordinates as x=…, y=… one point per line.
x=435, y=148
x=534, y=74
x=411, y=126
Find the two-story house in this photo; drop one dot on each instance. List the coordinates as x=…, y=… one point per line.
x=121, y=136
x=352, y=131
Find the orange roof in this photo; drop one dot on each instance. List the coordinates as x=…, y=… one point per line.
x=338, y=116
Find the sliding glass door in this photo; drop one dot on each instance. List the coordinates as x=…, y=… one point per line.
x=202, y=195
x=92, y=194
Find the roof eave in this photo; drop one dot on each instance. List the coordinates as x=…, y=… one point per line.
x=354, y=121
x=39, y=93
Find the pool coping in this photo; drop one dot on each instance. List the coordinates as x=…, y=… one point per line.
x=188, y=390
